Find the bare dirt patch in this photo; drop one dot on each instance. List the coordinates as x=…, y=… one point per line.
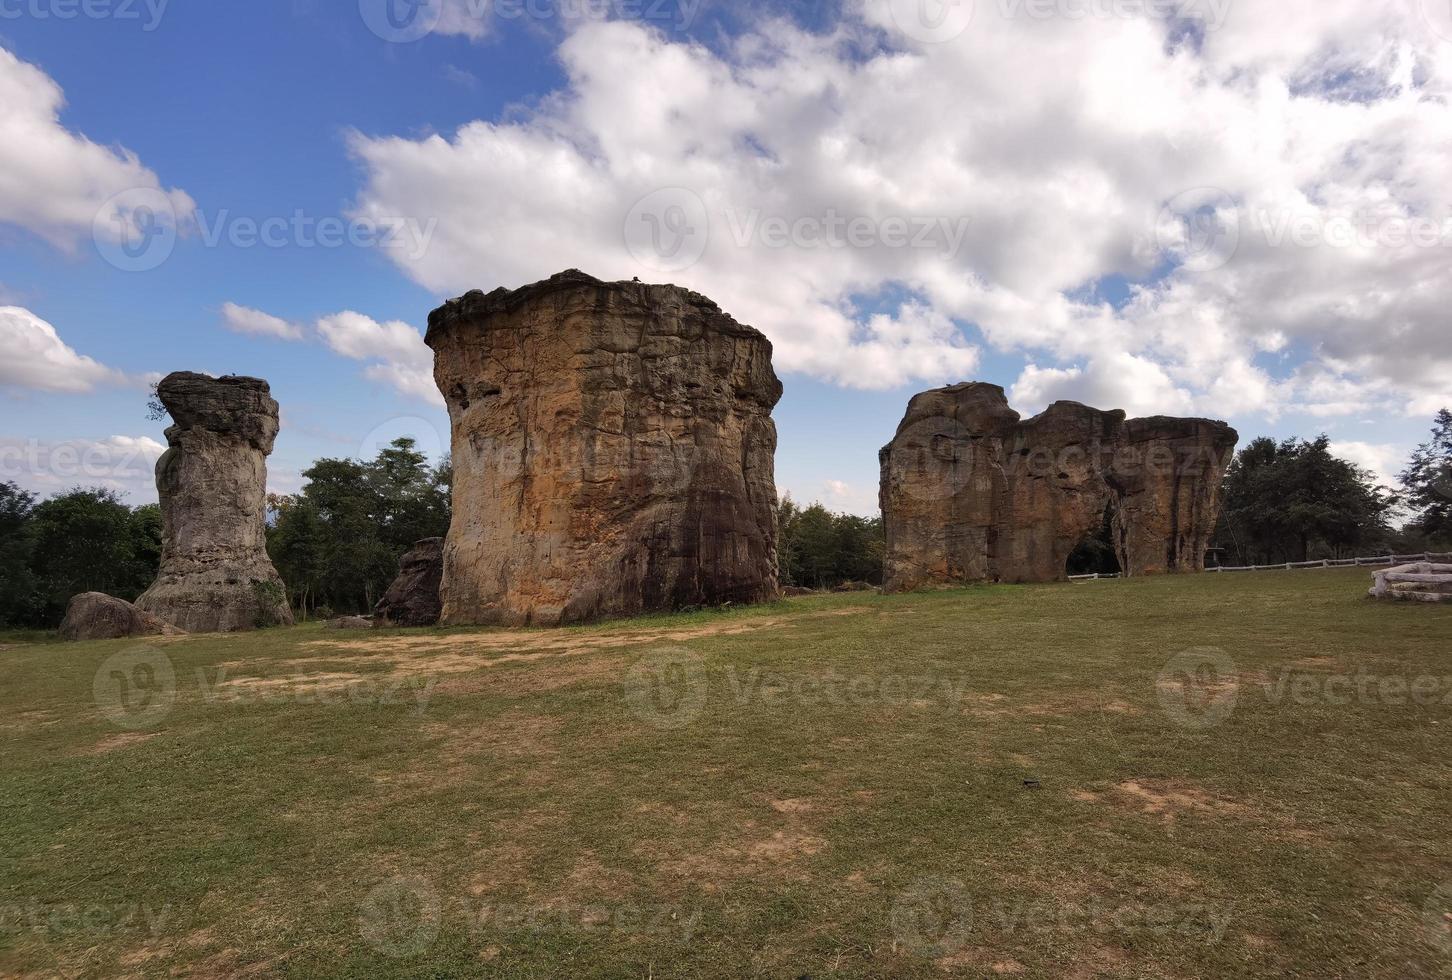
x=1166, y=799
x=792, y=806
x=339, y=663
x=784, y=845
x=527, y=645
x=112, y=743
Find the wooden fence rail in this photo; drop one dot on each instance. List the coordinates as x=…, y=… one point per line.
x=1326, y=563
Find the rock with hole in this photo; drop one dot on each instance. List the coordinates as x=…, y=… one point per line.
x=972, y=492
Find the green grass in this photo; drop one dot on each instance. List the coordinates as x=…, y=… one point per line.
x=524, y=805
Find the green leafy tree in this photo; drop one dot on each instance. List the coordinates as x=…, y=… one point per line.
x=88, y=540
x=819, y=549
x=19, y=597
x=337, y=544
x=1295, y=501
x=1428, y=483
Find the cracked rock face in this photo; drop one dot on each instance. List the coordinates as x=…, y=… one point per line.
x=413, y=598
x=613, y=452
x=215, y=574
x=971, y=492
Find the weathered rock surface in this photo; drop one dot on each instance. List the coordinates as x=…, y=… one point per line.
x=97, y=616
x=1415, y=582
x=215, y=575
x=413, y=598
x=972, y=492
x=613, y=452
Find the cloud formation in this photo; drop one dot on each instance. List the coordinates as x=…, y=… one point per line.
x=245, y=320
x=1155, y=215
x=37, y=358
x=61, y=186
x=394, y=351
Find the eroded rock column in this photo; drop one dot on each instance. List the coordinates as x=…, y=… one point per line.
x=215, y=573
x=613, y=452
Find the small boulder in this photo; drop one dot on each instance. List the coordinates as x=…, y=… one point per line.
x=97, y=616
x=413, y=598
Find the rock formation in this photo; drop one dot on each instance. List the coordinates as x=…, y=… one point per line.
x=613, y=452
x=413, y=598
x=1422, y=581
x=972, y=492
x=97, y=616
x=215, y=574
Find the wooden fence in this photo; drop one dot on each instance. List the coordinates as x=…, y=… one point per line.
x=1327, y=563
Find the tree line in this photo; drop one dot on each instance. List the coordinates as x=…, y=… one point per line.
x=338, y=541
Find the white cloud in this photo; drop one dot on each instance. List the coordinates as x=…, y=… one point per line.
x=1382, y=459
x=37, y=358
x=122, y=463
x=245, y=320
x=395, y=352
x=54, y=182
x=1119, y=380
x=1301, y=113
x=844, y=497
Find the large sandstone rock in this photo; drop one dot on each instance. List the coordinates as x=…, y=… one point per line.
x=215, y=574
x=413, y=598
x=972, y=492
x=613, y=450
x=97, y=616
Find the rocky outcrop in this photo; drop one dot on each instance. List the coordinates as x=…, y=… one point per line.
x=413, y=598
x=972, y=492
x=215, y=575
x=97, y=616
x=613, y=452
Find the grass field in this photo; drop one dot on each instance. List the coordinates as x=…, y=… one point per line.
x=1176, y=777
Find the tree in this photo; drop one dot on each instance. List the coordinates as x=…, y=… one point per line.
x=1428, y=482
x=87, y=540
x=18, y=598
x=337, y=544
x=1292, y=500
x=819, y=549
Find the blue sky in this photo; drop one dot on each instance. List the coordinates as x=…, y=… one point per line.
x=264, y=111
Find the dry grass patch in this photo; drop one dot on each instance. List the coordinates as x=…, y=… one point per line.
x=112, y=743
x=1166, y=799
